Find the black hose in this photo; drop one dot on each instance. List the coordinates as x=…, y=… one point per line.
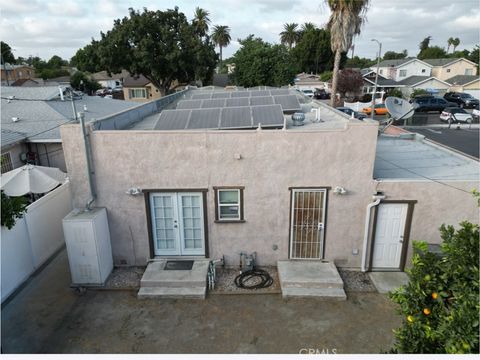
x=265, y=280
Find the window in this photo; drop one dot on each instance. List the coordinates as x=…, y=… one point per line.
x=403, y=73
x=448, y=70
x=6, y=162
x=138, y=93
x=229, y=204
x=381, y=72
x=423, y=71
x=468, y=71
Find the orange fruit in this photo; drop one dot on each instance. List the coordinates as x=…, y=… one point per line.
x=434, y=296
x=426, y=311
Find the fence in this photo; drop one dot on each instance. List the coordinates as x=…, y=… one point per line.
x=34, y=238
x=358, y=106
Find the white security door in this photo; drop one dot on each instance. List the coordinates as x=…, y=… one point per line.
x=177, y=223
x=388, y=244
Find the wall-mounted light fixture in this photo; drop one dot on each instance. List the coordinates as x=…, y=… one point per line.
x=134, y=191
x=339, y=190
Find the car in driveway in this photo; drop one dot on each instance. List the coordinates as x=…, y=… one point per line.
x=379, y=109
x=431, y=103
x=308, y=93
x=348, y=111
x=321, y=94
x=463, y=100
x=455, y=114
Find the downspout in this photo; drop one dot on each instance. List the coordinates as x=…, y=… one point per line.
x=88, y=155
x=377, y=199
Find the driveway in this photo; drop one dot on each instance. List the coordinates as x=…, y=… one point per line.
x=48, y=317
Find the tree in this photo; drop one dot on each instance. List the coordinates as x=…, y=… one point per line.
x=221, y=37
x=455, y=43
x=449, y=43
x=87, y=58
x=260, y=63
x=308, y=26
x=290, y=35
x=418, y=92
x=56, y=62
x=160, y=45
x=360, y=63
x=349, y=81
x=425, y=43
x=434, y=52
x=13, y=208
x=392, y=55
x=80, y=81
x=201, y=21
x=344, y=23
x=6, y=53
x=440, y=304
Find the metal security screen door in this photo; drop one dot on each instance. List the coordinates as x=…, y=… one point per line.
x=177, y=223
x=307, y=224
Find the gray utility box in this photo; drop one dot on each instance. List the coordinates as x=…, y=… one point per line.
x=88, y=246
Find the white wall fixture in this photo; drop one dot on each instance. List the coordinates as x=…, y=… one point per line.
x=339, y=190
x=134, y=191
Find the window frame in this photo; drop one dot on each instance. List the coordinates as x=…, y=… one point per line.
x=9, y=164
x=133, y=90
x=240, y=218
x=402, y=71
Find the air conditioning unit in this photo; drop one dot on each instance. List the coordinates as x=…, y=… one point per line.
x=87, y=237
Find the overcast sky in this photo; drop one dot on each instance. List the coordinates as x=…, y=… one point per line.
x=60, y=27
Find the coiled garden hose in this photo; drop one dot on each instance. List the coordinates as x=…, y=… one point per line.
x=264, y=279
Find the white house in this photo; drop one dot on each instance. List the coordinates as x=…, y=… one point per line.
x=403, y=68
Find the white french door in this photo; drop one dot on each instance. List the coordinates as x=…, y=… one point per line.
x=177, y=223
x=307, y=224
x=390, y=229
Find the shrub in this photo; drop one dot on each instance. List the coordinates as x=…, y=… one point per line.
x=440, y=304
x=13, y=208
x=396, y=92
x=417, y=92
x=325, y=76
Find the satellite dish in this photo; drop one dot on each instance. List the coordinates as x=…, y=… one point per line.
x=399, y=108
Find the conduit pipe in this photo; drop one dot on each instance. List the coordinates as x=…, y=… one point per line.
x=377, y=199
x=88, y=155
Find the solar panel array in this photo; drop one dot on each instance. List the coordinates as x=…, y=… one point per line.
x=289, y=103
x=201, y=95
x=245, y=117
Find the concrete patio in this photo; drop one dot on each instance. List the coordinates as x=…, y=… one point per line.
x=48, y=317
x=386, y=281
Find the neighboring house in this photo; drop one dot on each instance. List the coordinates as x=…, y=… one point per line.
x=230, y=68
x=427, y=83
x=110, y=81
x=444, y=69
x=384, y=85
x=465, y=83
x=25, y=82
x=11, y=73
x=304, y=81
x=218, y=175
x=139, y=88
x=31, y=117
x=401, y=69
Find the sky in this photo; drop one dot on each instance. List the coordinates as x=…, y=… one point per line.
x=60, y=27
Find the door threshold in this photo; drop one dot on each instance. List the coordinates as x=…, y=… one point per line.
x=179, y=257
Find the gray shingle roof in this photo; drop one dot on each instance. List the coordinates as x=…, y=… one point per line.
x=440, y=62
x=382, y=81
x=11, y=137
x=412, y=80
x=103, y=75
x=394, y=63
x=461, y=79
x=135, y=81
x=32, y=93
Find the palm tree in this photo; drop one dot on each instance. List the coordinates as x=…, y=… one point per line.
x=345, y=22
x=308, y=26
x=455, y=43
x=450, y=43
x=201, y=21
x=289, y=35
x=221, y=37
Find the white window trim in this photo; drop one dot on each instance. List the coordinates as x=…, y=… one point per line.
x=238, y=204
x=400, y=72
x=131, y=93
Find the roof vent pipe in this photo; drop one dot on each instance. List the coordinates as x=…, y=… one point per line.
x=60, y=90
x=88, y=156
x=377, y=198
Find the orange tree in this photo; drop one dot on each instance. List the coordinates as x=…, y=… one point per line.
x=440, y=304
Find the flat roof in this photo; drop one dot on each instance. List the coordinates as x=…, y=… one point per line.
x=413, y=159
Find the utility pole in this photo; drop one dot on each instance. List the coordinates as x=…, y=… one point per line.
x=376, y=79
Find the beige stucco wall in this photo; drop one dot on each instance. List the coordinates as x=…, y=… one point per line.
x=457, y=68
x=272, y=161
x=50, y=154
x=152, y=93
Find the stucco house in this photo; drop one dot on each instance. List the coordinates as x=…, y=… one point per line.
x=305, y=81
x=112, y=80
x=401, y=69
x=31, y=118
x=140, y=89
x=11, y=73
x=408, y=85
x=204, y=174
x=444, y=69
x=465, y=83
x=384, y=85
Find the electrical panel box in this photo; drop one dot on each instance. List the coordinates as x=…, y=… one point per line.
x=87, y=237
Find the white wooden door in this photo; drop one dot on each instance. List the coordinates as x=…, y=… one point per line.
x=177, y=223
x=388, y=243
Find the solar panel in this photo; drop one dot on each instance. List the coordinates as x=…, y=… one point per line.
x=243, y=101
x=260, y=93
x=221, y=95
x=279, y=92
x=240, y=94
x=213, y=103
x=268, y=115
x=172, y=120
x=201, y=96
x=261, y=100
x=189, y=104
x=204, y=119
x=288, y=102
x=236, y=117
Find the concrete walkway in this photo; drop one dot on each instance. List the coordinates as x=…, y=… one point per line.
x=48, y=317
x=388, y=281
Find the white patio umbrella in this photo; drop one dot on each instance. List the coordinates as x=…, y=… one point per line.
x=31, y=179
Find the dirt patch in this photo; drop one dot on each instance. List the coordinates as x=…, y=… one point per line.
x=125, y=278
x=356, y=281
x=225, y=283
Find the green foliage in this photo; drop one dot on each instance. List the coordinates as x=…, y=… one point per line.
x=82, y=82
x=6, y=53
x=418, y=92
x=260, y=63
x=360, y=63
x=221, y=37
x=396, y=92
x=52, y=73
x=440, y=304
x=326, y=75
x=425, y=43
x=13, y=208
x=56, y=62
x=434, y=52
x=392, y=55
x=87, y=59
x=290, y=34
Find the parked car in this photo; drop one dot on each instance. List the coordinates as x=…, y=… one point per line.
x=463, y=100
x=476, y=114
x=321, y=94
x=308, y=93
x=117, y=89
x=348, y=111
x=455, y=114
x=379, y=109
x=431, y=103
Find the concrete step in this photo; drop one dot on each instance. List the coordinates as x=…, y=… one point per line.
x=171, y=283
x=172, y=293
x=320, y=294
x=312, y=284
